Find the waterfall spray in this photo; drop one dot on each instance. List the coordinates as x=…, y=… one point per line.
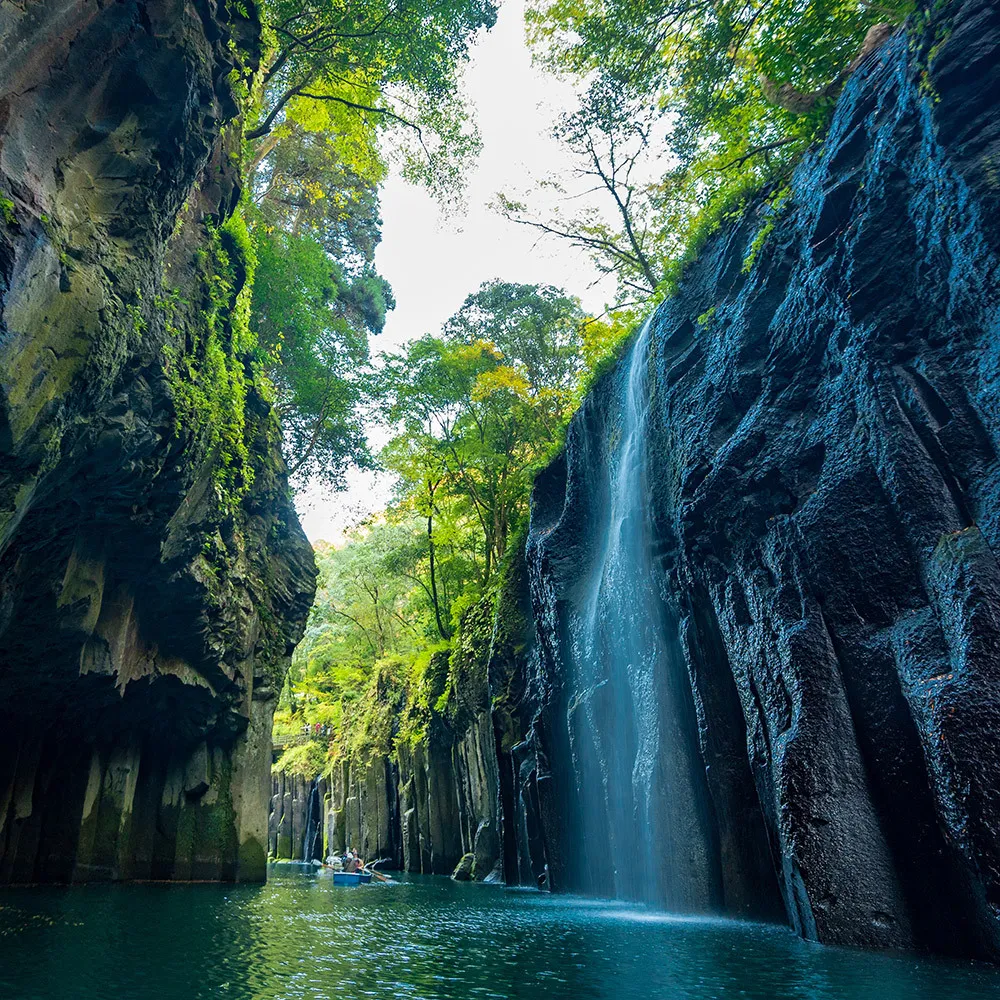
x=642, y=789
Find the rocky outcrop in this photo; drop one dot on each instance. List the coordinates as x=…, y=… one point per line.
x=822, y=441
x=153, y=575
x=432, y=797
x=288, y=815
x=362, y=811
x=418, y=813
x=448, y=802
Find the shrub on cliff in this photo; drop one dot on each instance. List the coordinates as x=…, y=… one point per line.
x=309, y=759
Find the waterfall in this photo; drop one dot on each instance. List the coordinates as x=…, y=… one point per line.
x=313, y=817
x=642, y=789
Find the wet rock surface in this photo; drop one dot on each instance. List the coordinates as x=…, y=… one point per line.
x=823, y=494
x=147, y=612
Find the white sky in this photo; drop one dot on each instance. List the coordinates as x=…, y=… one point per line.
x=433, y=263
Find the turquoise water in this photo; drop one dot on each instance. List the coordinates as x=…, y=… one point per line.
x=300, y=938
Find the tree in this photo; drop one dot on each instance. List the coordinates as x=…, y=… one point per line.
x=732, y=90
x=614, y=156
x=476, y=409
x=338, y=80
x=392, y=63
x=312, y=321
x=481, y=406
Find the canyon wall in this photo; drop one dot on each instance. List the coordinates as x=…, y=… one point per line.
x=153, y=576
x=748, y=663
x=822, y=489
x=430, y=802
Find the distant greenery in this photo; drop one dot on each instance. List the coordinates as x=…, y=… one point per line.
x=478, y=409
x=307, y=759
x=687, y=108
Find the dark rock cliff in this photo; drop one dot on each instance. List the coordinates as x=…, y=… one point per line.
x=429, y=799
x=153, y=575
x=823, y=494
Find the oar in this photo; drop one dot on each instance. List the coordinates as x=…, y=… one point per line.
x=378, y=875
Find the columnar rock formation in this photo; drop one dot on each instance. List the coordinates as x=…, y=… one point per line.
x=420, y=813
x=822, y=478
x=153, y=575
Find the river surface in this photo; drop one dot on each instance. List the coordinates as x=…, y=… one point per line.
x=301, y=938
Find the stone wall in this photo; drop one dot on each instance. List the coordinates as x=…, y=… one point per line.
x=823, y=441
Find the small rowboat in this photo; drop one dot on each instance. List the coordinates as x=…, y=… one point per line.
x=351, y=878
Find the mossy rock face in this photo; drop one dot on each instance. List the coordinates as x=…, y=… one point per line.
x=154, y=574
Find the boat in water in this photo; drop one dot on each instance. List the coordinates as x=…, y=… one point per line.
x=352, y=878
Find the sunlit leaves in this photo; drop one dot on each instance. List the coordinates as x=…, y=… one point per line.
x=393, y=65
x=708, y=72
x=482, y=406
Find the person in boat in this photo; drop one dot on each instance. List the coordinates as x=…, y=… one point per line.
x=350, y=860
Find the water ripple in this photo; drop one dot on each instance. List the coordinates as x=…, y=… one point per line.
x=301, y=938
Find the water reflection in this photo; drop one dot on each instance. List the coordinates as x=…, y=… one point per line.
x=300, y=938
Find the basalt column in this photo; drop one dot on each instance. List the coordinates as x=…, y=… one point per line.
x=820, y=518
x=153, y=575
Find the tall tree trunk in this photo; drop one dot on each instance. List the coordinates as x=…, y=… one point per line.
x=442, y=631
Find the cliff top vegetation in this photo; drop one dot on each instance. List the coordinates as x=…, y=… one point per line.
x=686, y=108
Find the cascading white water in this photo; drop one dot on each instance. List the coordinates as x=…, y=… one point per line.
x=641, y=785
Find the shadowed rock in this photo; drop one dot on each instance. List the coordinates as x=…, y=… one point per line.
x=150, y=595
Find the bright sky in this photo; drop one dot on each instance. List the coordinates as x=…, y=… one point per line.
x=433, y=263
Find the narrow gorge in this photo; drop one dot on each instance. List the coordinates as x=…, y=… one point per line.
x=742, y=660
x=750, y=651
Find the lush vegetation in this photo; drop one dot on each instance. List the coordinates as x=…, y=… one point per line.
x=477, y=410
x=687, y=108
x=345, y=90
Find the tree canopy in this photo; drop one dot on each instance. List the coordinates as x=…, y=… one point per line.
x=344, y=89
x=688, y=106
x=476, y=409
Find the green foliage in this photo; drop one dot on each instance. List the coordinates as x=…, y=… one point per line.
x=404, y=609
x=7, y=211
x=311, y=320
x=481, y=408
x=344, y=88
x=390, y=66
x=774, y=206
x=210, y=376
x=308, y=759
x=604, y=345
x=689, y=108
